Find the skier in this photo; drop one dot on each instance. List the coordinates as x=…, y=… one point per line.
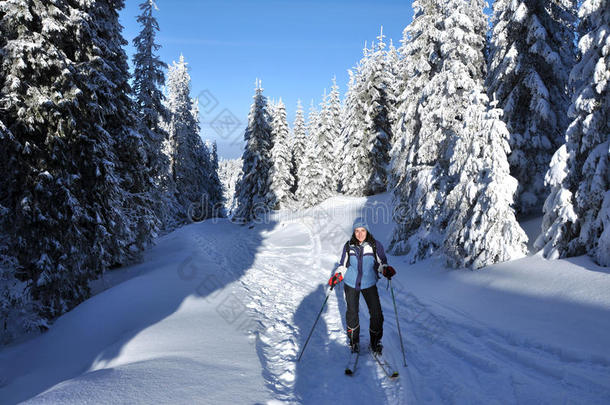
x=359, y=267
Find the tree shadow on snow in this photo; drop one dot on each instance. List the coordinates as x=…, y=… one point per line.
x=587, y=263
x=94, y=333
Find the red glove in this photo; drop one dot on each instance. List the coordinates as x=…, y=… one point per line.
x=389, y=272
x=335, y=279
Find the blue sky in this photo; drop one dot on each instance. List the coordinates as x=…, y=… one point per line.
x=294, y=47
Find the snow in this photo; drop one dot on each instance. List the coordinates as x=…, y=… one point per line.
x=217, y=313
x=157, y=337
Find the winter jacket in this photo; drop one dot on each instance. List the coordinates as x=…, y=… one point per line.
x=363, y=270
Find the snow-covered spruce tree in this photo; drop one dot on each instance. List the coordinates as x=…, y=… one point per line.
x=415, y=174
x=210, y=205
x=395, y=90
x=299, y=139
x=281, y=178
x=215, y=189
x=66, y=102
x=453, y=177
x=368, y=106
x=321, y=127
x=577, y=212
x=384, y=105
x=353, y=173
x=147, y=81
x=313, y=120
x=333, y=127
x=120, y=120
x=482, y=228
x=481, y=224
x=29, y=65
x=531, y=53
x=229, y=172
x=429, y=119
x=311, y=127
x=419, y=61
x=313, y=173
x=327, y=127
x=252, y=191
x=190, y=162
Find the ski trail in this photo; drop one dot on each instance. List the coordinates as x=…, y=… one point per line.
x=286, y=289
x=274, y=292
x=454, y=360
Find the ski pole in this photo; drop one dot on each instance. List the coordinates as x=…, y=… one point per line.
x=314, y=324
x=398, y=324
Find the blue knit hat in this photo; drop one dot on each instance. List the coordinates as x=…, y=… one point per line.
x=360, y=223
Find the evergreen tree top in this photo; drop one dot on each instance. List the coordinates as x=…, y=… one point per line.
x=380, y=42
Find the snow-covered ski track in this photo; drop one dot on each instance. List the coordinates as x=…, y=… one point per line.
x=286, y=289
x=452, y=359
x=460, y=362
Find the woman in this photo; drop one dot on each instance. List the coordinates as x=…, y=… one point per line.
x=359, y=267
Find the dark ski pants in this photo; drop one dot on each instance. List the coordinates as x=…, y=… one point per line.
x=352, y=298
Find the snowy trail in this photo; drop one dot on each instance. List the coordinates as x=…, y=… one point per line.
x=287, y=289
x=453, y=357
x=218, y=313
x=455, y=361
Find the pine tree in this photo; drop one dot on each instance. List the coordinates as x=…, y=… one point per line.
x=577, y=211
x=229, y=172
x=120, y=117
x=383, y=106
x=334, y=129
x=299, y=139
x=252, y=191
x=148, y=79
x=313, y=173
x=420, y=50
x=531, y=54
x=354, y=173
x=66, y=103
x=416, y=165
x=281, y=178
x=456, y=165
x=395, y=88
x=327, y=131
x=312, y=124
x=482, y=228
x=148, y=72
x=190, y=158
x=217, y=199
x=210, y=204
x=368, y=104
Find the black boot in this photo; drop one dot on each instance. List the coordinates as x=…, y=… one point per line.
x=376, y=346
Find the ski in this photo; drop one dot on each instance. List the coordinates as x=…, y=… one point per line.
x=350, y=368
x=388, y=370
